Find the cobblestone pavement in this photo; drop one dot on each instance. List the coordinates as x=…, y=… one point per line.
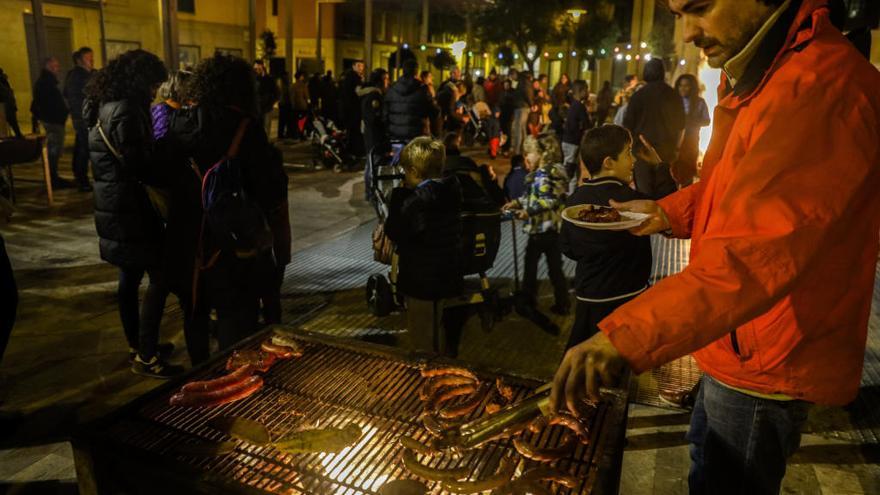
x=66, y=362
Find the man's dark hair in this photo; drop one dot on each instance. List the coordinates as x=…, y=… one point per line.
x=603, y=142
x=410, y=67
x=130, y=76
x=424, y=74
x=377, y=76
x=224, y=81
x=655, y=70
x=78, y=55
x=629, y=77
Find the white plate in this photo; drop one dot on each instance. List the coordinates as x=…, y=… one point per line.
x=630, y=219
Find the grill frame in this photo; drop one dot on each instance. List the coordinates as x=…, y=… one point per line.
x=108, y=464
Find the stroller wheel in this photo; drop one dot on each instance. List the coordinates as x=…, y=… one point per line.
x=380, y=301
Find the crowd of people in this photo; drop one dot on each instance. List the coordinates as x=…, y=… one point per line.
x=136, y=122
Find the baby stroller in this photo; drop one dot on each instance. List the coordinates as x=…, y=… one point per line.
x=328, y=142
x=381, y=175
x=474, y=130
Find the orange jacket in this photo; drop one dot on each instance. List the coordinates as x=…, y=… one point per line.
x=784, y=229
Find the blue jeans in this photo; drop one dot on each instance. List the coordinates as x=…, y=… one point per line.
x=739, y=444
x=519, y=129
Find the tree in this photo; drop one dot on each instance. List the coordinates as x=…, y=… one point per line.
x=504, y=56
x=524, y=23
x=597, y=30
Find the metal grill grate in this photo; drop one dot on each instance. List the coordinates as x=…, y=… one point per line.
x=331, y=385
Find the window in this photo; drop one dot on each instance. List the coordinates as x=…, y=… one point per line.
x=275, y=7
x=188, y=6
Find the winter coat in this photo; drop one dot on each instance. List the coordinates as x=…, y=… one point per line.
x=267, y=93
x=48, y=105
x=611, y=264
x=299, y=96
x=130, y=231
x=373, y=128
x=576, y=123
x=161, y=115
x=425, y=225
x=74, y=90
x=783, y=224
x=407, y=106
x=656, y=112
x=349, y=105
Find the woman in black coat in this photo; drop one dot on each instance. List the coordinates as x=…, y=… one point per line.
x=234, y=283
x=130, y=230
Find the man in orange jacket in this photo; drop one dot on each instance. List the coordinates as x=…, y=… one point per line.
x=784, y=225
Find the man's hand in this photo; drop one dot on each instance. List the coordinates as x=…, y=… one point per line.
x=521, y=214
x=658, y=222
x=510, y=205
x=647, y=153
x=586, y=367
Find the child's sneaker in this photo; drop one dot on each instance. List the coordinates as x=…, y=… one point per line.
x=155, y=368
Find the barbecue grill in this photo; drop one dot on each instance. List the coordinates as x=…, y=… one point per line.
x=336, y=382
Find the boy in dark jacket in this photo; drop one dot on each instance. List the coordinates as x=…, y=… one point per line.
x=613, y=267
x=424, y=223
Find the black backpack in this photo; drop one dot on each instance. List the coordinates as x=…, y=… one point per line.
x=235, y=221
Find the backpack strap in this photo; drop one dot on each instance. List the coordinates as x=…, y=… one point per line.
x=236, y=140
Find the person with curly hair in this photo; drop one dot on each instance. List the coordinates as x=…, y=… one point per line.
x=130, y=230
x=223, y=94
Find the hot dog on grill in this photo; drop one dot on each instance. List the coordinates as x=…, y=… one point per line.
x=211, y=398
x=238, y=375
x=545, y=454
x=466, y=407
x=432, y=386
x=448, y=370
x=572, y=423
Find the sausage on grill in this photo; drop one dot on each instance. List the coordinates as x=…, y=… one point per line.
x=236, y=376
x=218, y=397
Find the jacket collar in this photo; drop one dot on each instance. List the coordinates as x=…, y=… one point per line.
x=796, y=27
x=598, y=181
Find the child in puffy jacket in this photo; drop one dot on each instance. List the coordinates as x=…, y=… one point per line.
x=540, y=205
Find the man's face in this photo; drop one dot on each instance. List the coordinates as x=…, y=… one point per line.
x=259, y=69
x=685, y=88
x=87, y=60
x=429, y=79
x=455, y=74
x=359, y=68
x=721, y=28
x=53, y=66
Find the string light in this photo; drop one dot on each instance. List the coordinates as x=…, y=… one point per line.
x=619, y=56
x=602, y=51
x=438, y=51
x=574, y=54
x=559, y=55
x=648, y=57
x=406, y=46
x=616, y=49
x=423, y=47
x=546, y=55
x=516, y=56
x=643, y=45
x=629, y=46
x=485, y=55
x=629, y=57
x=638, y=57
x=500, y=56
x=590, y=52
x=683, y=62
